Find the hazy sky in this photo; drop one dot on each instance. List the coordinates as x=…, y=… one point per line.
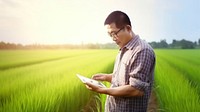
x=77, y=21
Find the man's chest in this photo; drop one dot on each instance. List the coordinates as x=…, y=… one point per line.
x=122, y=68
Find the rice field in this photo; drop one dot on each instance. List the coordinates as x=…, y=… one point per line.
x=177, y=80
x=45, y=80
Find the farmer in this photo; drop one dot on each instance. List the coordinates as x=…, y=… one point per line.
x=132, y=77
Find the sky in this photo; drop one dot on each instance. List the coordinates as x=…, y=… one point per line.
x=82, y=21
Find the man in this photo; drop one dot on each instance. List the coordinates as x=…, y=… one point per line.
x=132, y=77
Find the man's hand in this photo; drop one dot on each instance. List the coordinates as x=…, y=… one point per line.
x=93, y=87
x=102, y=77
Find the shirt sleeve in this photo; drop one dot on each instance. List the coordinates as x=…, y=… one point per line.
x=140, y=70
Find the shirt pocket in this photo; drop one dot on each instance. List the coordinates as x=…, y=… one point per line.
x=123, y=76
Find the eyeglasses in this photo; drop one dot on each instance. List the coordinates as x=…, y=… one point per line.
x=114, y=34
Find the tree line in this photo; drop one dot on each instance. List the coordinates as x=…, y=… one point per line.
x=4, y=45
x=176, y=44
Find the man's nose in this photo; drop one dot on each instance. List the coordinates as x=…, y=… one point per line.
x=114, y=38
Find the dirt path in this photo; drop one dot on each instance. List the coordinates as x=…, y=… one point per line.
x=153, y=104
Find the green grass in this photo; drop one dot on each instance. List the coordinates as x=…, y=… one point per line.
x=52, y=86
x=17, y=58
x=174, y=78
x=185, y=61
x=45, y=80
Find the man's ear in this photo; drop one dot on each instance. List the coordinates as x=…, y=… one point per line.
x=129, y=28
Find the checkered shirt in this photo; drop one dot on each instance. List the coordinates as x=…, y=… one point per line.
x=134, y=66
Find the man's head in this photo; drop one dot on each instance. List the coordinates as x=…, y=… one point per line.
x=119, y=18
x=119, y=27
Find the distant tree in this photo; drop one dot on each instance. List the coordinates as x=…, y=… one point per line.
x=183, y=44
x=174, y=42
x=186, y=44
x=163, y=44
x=154, y=44
x=195, y=44
x=199, y=42
x=2, y=45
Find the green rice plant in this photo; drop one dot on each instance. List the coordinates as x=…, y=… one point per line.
x=52, y=86
x=173, y=90
x=17, y=58
x=185, y=61
x=188, y=55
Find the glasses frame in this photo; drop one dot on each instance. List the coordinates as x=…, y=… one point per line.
x=114, y=34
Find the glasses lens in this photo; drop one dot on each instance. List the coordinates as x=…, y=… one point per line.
x=114, y=34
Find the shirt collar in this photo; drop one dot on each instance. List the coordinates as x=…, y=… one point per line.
x=131, y=43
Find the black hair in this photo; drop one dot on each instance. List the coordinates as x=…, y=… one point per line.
x=119, y=18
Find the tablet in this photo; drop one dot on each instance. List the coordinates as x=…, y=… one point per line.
x=92, y=81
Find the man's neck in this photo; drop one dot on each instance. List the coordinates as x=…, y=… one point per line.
x=133, y=34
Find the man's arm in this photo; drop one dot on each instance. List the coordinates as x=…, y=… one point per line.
x=125, y=91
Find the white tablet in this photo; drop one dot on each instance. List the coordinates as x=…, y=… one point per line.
x=85, y=79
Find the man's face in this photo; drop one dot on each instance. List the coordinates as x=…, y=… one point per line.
x=121, y=36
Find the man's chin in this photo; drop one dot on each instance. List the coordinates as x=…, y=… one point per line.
x=118, y=44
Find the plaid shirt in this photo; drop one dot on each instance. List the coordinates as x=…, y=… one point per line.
x=134, y=66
